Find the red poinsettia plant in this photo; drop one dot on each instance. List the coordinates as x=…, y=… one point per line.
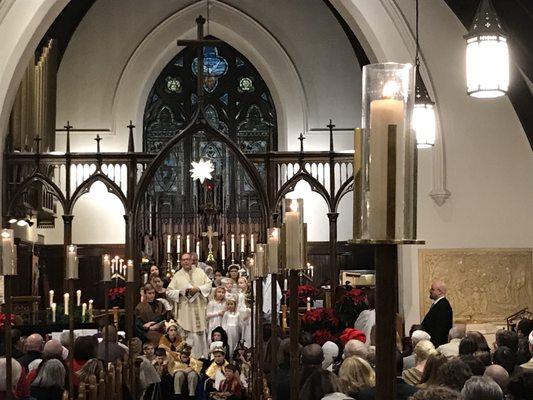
x=116, y=293
x=322, y=336
x=304, y=292
x=3, y=319
x=358, y=296
x=320, y=319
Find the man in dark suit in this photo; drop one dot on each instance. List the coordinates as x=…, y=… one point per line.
x=439, y=319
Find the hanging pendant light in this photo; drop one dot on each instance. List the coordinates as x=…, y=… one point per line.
x=423, y=121
x=487, y=54
x=423, y=115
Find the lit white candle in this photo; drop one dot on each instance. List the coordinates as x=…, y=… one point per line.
x=53, y=306
x=9, y=253
x=223, y=250
x=260, y=260
x=198, y=249
x=243, y=238
x=145, y=278
x=116, y=264
x=130, y=271
x=106, y=268
x=252, y=243
x=232, y=244
x=169, y=245
x=178, y=244
x=309, y=304
x=273, y=244
x=51, y=297
x=188, y=243
x=383, y=112
x=72, y=262
x=66, y=297
x=285, y=284
x=90, y=308
x=78, y=298
x=312, y=271
x=83, y=311
x=294, y=236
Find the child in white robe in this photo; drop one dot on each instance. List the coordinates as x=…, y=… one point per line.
x=231, y=324
x=215, y=311
x=245, y=313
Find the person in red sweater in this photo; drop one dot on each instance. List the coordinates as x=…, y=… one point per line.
x=230, y=388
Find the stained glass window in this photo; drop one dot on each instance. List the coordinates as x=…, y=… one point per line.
x=237, y=100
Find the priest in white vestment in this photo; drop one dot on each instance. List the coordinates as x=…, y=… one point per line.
x=190, y=288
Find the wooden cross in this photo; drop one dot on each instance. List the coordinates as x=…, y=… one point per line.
x=200, y=42
x=301, y=138
x=37, y=141
x=98, y=139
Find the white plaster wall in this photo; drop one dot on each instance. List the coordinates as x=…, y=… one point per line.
x=488, y=159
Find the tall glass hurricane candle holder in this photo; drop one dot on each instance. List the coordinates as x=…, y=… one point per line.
x=385, y=156
x=293, y=221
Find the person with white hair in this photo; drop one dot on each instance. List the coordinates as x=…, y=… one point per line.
x=422, y=351
x=416, y=336
x=529, y=365
x=481, y=388
x=439, y=318
x=355, y=347
x=50, y=381
x=331, y=351
x=16, y=372
x=451, y=349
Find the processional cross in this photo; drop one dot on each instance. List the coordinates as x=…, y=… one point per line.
x=210, y=234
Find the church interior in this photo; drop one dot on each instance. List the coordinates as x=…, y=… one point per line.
x=245, y=199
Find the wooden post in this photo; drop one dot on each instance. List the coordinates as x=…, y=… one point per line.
x=258, y=336
x=273, y=334
x=334, y=270
x=69, y=284
x=294, y=330
x=386, y=264
x=8, y=340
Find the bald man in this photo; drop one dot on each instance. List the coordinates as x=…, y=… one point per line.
x=33, y=345
x=439, y=319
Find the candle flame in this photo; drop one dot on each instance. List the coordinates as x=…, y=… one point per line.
x=391, y=89
x=294, y=205
x=275, y=232
x=130, y=262
x=6, y=234
x=71, y=248
x=106, y=257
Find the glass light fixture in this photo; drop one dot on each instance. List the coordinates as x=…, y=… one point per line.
x=487, y=54
x=424, y=121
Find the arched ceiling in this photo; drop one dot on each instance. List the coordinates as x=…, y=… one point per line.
x=515, y=15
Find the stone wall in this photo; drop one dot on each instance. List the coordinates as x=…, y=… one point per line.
x=484, y=285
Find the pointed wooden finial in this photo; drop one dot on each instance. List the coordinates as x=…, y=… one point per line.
x=131, y=144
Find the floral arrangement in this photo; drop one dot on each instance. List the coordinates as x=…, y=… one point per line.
x=117, y=296
x=358, y=296
x=320, y=319
x=322, y=336
x=3, y=319
x=351, y=305
x=304, y=292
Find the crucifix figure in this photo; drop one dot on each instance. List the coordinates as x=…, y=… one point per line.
x=210, y=234
x=200, y=42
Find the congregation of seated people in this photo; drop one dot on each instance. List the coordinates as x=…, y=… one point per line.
x=467, y=367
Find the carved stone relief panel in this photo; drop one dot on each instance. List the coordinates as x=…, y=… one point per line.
x=484, y=285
